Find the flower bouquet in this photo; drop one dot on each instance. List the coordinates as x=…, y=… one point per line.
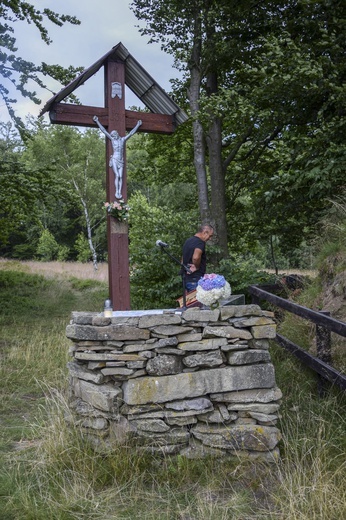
x=211, y=288
x=118, y=209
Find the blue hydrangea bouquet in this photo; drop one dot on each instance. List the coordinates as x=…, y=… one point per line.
x=211, y=289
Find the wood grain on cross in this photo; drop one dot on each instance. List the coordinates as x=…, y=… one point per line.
x=114, y=117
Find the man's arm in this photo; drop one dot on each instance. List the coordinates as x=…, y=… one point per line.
x=196, y=259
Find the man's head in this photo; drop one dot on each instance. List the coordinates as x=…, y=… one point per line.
x=114, y=134
x=205, y=232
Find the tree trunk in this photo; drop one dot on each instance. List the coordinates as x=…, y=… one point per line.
x=198, y=133
x=90, y=242
x=88, y=226
x=272, y=253
x=217, y=177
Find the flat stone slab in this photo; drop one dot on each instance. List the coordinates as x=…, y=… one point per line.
x=111, y=332
x=139, y=313
x=264, y=331
x=238, y=311
x=107, y=356
x=243, y=437
x=102, y=397
x=153, y=320
x=204, y=344
x=226, y=332
x=250, y=396
x=198, y=315
x=197, y=384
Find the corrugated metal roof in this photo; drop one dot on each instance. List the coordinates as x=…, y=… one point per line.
x=136, y=78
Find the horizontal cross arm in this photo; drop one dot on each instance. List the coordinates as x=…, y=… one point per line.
x=81, y=115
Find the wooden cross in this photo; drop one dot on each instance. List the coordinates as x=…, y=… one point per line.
x=112, y=116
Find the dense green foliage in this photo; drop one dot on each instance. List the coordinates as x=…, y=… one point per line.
x=53, y=187
x=272, y=79
x=155, y=275
x=21, y=191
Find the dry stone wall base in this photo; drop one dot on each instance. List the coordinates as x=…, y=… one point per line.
x=194, y=382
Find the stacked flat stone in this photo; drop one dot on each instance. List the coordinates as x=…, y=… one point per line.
x=195, y=383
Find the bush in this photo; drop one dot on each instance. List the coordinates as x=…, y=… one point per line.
x=155, y=279
x=63, y=253
x=48, y=247
x=240, y=273
x=24, y=251
x=82, y=248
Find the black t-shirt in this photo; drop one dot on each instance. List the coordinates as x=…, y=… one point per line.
x=189, y=247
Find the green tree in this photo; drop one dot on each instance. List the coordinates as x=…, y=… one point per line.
x=280, y=101
x=15, y=71
x=78, y=162
x=155, y=161
x=267, y=96
x=155, y=279
x=47, y=248
x=82, y=248
x=185, y=33
x=23, y=190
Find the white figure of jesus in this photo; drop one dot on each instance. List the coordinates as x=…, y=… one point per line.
x=117, y=159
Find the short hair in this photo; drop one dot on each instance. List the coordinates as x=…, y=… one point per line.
x=205, y=227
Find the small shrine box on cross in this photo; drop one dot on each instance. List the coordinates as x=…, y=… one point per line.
x=120, y=69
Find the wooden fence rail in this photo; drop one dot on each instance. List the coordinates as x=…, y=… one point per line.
x=324, y=326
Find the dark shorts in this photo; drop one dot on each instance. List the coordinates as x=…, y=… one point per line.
x=191, y=286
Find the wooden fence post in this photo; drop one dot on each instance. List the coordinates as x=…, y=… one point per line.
x=254, y=299
x=323, y=348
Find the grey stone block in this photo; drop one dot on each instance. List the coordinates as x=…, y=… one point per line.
x=197, y=384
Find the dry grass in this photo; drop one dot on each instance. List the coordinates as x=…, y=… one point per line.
x=58, y=269
x=311, y=273
x=86, y=271
x=50, y=471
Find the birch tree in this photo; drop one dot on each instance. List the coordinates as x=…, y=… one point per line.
x=78, y=161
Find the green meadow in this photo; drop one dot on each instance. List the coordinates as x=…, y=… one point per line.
x=50, y=472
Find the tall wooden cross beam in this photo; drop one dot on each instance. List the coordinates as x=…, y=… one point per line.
x=120, y=69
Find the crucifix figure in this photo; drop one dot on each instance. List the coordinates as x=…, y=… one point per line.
x=117, y=158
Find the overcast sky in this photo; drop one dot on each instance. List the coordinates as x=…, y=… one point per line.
x=104, y=23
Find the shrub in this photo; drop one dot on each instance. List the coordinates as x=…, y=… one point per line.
x=48, y=247
x=82, y=248
x=241, y=273
x=63, y=253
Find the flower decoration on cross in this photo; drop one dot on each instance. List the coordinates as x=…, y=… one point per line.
x=118, y=209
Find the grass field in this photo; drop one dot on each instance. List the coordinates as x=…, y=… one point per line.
x=49, y=472
x=86, y=271
x=58, y=269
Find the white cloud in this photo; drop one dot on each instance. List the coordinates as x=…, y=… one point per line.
x=104, y=23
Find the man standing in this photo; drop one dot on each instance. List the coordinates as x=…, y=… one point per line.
x=194, y=255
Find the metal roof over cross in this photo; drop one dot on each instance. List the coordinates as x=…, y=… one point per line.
x=120, y=69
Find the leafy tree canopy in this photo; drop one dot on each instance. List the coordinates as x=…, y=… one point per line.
x=17, y=72
x=22, y=191
x=77, y=160
x=280, y=97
